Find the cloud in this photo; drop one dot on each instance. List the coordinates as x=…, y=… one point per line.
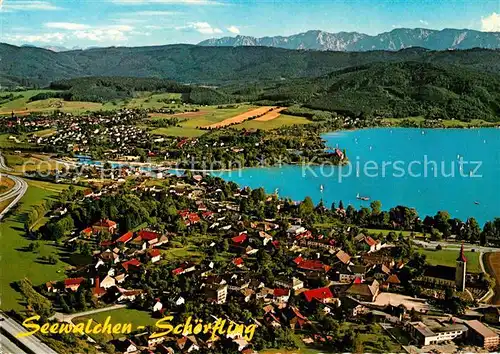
x=22, y=5
x=234, y=29
x=66, y=25
x=36, y=38
x=201, y=27
x=110, y=33
x=155, y=13
x=491, y=23
x=170, y=2
x=106, y=33
x=425, y=23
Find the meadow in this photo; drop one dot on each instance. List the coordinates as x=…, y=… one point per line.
x=211, y=116
x=135, y=317
x=16, y=261
x=448, y=258
x=143, y=100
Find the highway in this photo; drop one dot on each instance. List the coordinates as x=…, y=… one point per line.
x=15, y=193
x=8, y=347
x=30, y=342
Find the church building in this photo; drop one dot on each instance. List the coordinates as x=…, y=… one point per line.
x=446, y=276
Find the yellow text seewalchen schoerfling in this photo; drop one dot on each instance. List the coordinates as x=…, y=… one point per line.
x=164, y=327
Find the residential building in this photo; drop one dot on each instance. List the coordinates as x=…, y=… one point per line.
x=364, y=291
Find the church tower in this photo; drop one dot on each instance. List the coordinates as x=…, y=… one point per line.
x=461, y=270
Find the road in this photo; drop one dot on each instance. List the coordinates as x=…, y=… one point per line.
x=7, y=347
x=15, y=193
x=30, y=342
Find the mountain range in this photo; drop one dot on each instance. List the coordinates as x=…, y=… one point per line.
x=394, y=40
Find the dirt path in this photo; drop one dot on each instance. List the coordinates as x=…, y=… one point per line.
x=271, y=115
x=240, y=118
x=492, y=265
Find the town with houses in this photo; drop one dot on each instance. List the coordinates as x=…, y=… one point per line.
x=275, y=271
x=147, y=241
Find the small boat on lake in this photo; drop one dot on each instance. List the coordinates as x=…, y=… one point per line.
x=476, y=202
x=321, y=188
x=362, y=197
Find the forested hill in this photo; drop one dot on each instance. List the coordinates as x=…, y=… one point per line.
x=211, y=65
x=398, y=90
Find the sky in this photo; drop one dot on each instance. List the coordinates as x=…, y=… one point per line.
x=99, y=23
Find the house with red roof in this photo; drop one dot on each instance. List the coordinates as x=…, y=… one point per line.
x=238, y=262
x=192, y=219
x=104, y=225
x=321, y=294
x=87, y=232
x=371, y=244
x=181, y=143
x=298, y=260
x=132, y=264
x=73, y=283
x=154, y=255
x=184, y=268
x=98, y=291
x=189, y=217
x=207, y=215
x=314, y=265
x=281, y=295
x=240, y=239
x=126, y=237
x=149, y=235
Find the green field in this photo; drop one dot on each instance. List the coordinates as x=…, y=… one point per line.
x=189, y=128
x=136, y=318
x=143, y=100
x=448, y=258
x=16, y=262
x=6, y=143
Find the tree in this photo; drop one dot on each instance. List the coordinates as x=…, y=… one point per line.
x=306, y=207
x=376, y=207
x=473, y=230
x=258, y=195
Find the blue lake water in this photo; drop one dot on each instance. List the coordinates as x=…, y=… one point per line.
x=422, y=171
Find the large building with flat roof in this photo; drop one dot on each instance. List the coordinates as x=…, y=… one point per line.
x=481, y=335
x=435, y=332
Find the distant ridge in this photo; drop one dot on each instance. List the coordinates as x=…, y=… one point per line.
x=31, y=66
x=394, y=40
